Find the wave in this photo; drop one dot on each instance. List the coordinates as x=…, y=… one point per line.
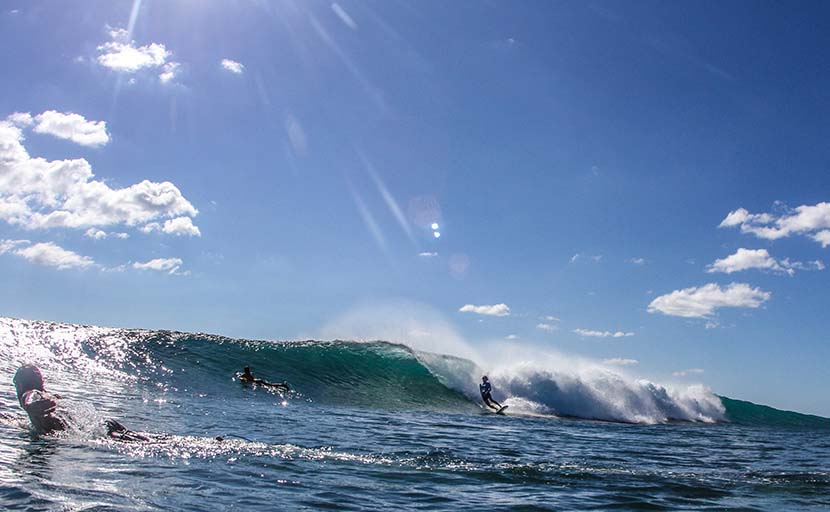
x=364, y=374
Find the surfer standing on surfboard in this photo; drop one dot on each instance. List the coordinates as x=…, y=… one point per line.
x=485, y=389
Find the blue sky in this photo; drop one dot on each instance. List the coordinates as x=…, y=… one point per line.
x=643, y=183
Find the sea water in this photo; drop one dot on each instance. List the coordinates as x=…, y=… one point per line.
x=379, y=425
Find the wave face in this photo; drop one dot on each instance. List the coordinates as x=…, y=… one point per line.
x=367, y=374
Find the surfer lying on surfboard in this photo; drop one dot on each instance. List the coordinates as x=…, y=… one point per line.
x=247, y=377
x=43, y=407
x=485, y=389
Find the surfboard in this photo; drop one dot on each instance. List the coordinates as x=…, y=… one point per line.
x=501, y=411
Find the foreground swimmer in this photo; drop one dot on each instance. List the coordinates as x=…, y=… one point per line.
x=247, y=377
x=43, y=411
x=485, y=389
x=38, y=404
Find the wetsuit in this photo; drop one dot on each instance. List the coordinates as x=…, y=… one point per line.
x=485, y=390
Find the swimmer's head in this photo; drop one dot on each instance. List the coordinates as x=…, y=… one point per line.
x=27, y=378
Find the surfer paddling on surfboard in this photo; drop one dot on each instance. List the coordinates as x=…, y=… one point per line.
x=246, y=377
x=485, y=389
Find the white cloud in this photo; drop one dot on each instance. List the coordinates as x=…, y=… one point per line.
x=701, y=302
x=233, y=66
x=21, y=119
x=806, y=220
x=577, y=257
x=69, y=126
x=550, y=318
x=546, y=327
x=602, y=334
x=169, y=72
x=9, y=245
x=181, y=226
x=128, y=58
x=490, y=310
x=99, y=234
x=51, y=255
x=620, y=361
x=822, y=237
x=169, y=265
x=427, y=254
x=36, y=193
x=637, y=261
x=690, y=371
x=511, y=337
x=745, y=259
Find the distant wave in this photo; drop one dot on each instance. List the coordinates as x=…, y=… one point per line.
x=366, y=374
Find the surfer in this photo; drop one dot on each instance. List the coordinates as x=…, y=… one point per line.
x=247, y=377
x=485, y=389
x=42, y=407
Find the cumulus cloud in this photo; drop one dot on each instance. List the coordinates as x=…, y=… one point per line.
x=233, y=66
x=124, y=56
x=169, y=265
x=602, y=334
x=812, y=221
x=490, y=310
x=745, y=259
x=36, y=193
x=47, y=254
x=703, y=301
x=69, y=126
x=620, y=361
x=180, y=226
x=99, y=234
x=169, y=72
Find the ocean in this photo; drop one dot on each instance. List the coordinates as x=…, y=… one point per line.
x=379, y=425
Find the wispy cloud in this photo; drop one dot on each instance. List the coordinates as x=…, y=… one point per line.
x=584, y=257
x=688, y=372
x=620, y=361
x=637, y=261
x=489, y=310
x=46, y=254
x=546, y=327
x=511, y=337
x=427, y=254
x=602, y=334
x=703, y=301
x=169, y=265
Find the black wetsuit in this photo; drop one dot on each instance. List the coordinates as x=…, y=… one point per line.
x=485, y=390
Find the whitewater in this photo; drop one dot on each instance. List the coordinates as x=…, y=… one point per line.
x=372, y=424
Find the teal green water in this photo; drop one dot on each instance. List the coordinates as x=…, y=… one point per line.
x=378, y=425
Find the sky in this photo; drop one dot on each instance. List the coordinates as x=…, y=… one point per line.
x=639, y=183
